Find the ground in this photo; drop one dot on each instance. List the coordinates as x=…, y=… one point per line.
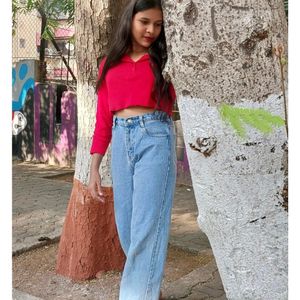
x=40, y=197
x=34, y=273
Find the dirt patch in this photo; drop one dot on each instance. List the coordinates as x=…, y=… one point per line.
x=67, y=177
x=34, y=273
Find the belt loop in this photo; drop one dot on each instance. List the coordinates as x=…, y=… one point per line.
x=114, y=121
x=141, y=121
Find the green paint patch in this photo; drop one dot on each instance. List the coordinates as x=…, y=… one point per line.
x=259, y=119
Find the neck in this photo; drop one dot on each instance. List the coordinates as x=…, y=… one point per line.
x=136, y=49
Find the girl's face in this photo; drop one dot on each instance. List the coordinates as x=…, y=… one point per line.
x=145, y=29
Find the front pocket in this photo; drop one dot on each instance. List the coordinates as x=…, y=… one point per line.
x=155, y=128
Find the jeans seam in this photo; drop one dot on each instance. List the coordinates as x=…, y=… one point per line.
x=152, y=263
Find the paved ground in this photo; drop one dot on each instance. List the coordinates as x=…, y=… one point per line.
x=39, y=206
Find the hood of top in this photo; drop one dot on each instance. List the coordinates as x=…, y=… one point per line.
x=127, y=58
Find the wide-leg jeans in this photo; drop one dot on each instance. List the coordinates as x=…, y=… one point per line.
x=143, y=163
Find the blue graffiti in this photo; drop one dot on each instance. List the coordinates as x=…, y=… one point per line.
x=23, y=71
x=14, y=76
x=18, y=104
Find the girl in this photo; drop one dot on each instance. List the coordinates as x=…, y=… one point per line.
x=134, y=113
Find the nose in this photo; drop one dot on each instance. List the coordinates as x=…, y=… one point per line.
x=150, y=29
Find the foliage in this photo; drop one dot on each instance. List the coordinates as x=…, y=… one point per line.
x=52, y=10
x=260, y=119
x=286, y=7
x=14, y=13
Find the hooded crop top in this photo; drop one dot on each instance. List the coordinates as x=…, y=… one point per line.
x=126, y=84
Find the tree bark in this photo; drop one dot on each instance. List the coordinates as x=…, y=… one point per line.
x=89, y=243
x=221, y=52
x=42, y=46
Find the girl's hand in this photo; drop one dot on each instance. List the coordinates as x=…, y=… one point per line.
x=94, y=187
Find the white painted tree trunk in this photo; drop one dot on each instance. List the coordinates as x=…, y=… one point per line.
x=89, y=243
x=85, y=132
x=94, y=20
x=221, y=52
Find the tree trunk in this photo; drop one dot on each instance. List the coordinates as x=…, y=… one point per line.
x=221, y=52
x=89, y=242
x=42, y=46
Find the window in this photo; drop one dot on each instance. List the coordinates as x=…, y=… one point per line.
x=22, y=43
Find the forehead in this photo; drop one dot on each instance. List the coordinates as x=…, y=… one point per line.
x=154, y=14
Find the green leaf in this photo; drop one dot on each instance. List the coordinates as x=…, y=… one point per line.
x=259, y=119
x=53, y=9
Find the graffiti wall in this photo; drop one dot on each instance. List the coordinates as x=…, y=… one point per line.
x=24, y=76
x=44, y=119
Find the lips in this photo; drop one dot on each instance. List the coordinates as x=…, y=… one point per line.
x=149, y=39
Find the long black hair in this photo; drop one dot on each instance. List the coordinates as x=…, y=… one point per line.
x=122, y=41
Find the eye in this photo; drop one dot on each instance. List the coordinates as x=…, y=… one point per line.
x=144, y=22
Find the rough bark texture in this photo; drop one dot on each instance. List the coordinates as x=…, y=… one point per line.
x=224, y=48
x=221, y=52
x=89, y=241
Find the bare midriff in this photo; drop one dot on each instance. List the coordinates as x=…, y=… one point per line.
x=133, y=111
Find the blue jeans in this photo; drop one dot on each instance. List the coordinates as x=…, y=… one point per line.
x=143, y=162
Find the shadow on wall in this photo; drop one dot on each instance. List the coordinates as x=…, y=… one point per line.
x=55, y=125
x=44, y=119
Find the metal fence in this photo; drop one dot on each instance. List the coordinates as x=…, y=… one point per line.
x=27, y=43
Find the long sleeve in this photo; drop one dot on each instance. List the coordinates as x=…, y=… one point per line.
x=103, y=127
x=169, y=108
x=172, y=92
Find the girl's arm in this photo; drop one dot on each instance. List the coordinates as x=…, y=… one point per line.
x=94, y=186
x=102, y=133
x=101, y=139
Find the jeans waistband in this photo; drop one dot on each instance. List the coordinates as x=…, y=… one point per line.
x=155, y=115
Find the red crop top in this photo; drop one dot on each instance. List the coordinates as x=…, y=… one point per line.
x=129, y=83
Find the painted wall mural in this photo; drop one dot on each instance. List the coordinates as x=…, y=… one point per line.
x=24, y=75
x=19, y=122
x=44, y=120
x=23, y=78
